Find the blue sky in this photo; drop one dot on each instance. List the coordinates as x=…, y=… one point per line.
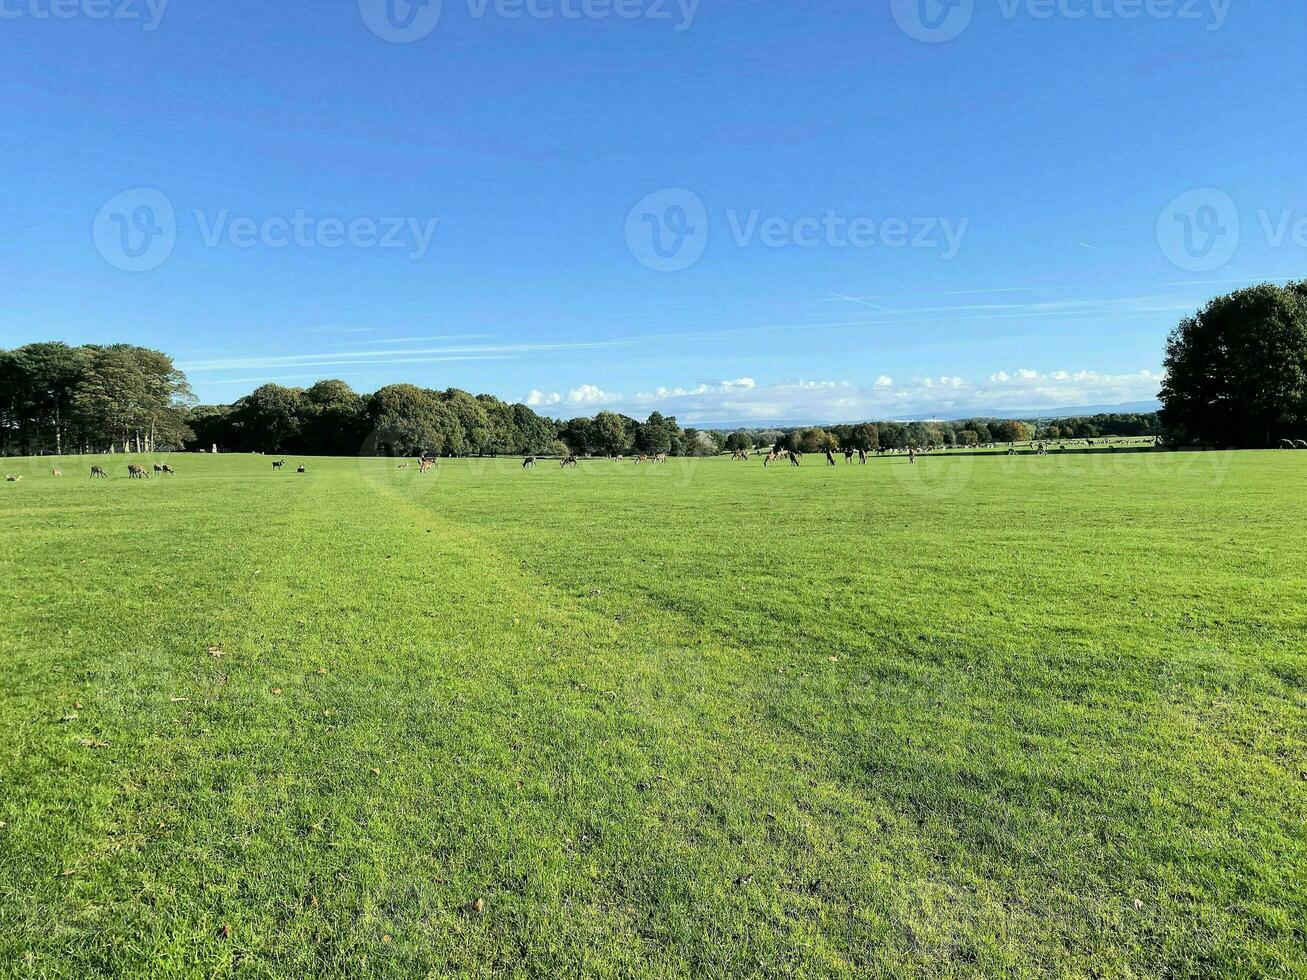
x=725, y=210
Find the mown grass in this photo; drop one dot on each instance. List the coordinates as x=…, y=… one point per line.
x=978, y=716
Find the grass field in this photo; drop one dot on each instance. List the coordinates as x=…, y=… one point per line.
x=979, y=716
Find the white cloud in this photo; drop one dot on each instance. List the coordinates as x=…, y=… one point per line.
x=588, y=395
x=939, y=396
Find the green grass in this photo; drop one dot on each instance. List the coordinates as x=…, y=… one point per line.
x=978, y=716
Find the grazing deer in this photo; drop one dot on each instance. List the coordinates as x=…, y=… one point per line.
x=135, y=472
x=660, y=458
x=99, y=471
x=830, y=458
x=570, y=460
x=795, y=458
x=529, y=463
x=56, y=472
x=167, y=470
x=641, y=459
x=426, y=465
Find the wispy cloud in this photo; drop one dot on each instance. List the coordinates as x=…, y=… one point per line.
x=416, y=355
x=388, y=341
x=339, y=330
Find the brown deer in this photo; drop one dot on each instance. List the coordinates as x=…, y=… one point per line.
x=135, y=472
x=529, y=463
x=56, y=472
x=99, y=471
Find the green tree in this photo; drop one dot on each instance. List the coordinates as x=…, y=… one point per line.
x=408, y=421
x=864, y=436
x=738, y=442
x=131, y=398
x=269, y=418
x=611, y=437
x=1236, y=371
x=331, y=417
x=654, y=436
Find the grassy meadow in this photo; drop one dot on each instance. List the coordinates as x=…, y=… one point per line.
x=977, y=716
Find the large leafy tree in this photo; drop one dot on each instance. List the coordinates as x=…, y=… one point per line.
x=654, y=436
x=1236, y=371
x=611, y=434
x=408, y=421
x=130, y=397
x=332, y=419
x=270, y=417
x=45, y=378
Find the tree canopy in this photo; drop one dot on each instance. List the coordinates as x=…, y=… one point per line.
x=1236, y=371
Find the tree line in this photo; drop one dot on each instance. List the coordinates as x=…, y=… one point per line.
x=91, y=399
x=1236, y=376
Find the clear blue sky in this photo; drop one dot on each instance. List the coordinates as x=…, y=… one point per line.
x=1050, y=146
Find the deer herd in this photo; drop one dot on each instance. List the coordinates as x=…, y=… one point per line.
x=427, y=463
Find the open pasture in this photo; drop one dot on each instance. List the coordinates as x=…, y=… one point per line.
x=972, y=716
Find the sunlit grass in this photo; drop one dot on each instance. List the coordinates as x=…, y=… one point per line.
x=972, y=716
